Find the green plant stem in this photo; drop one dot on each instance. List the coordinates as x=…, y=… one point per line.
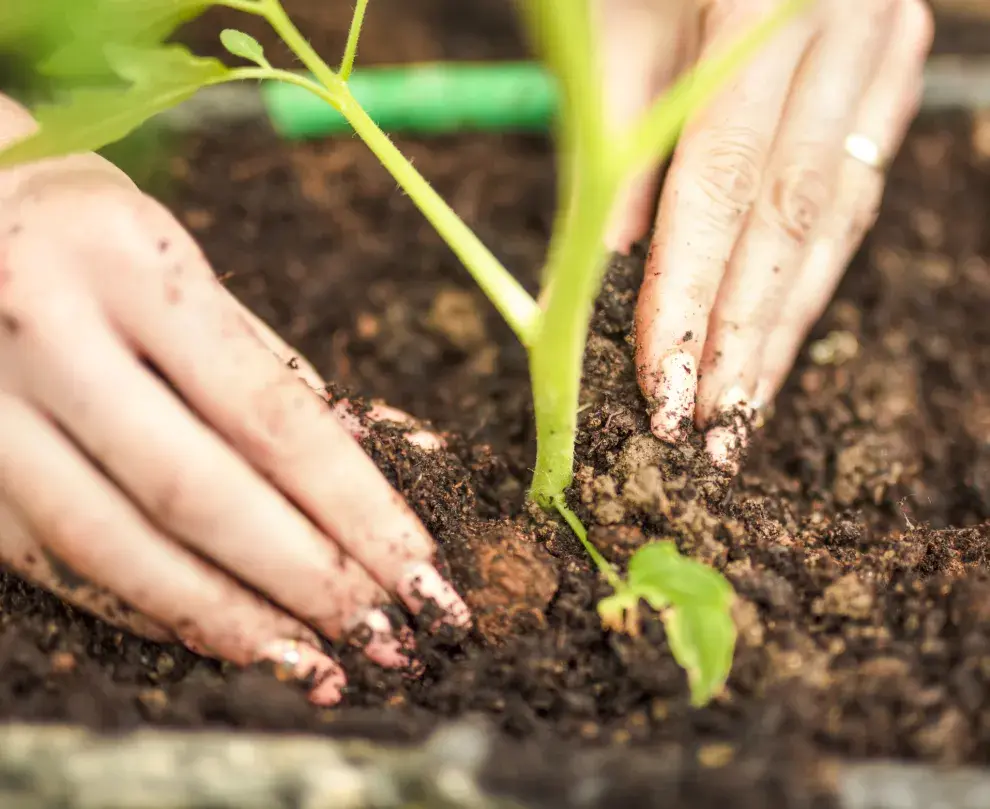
x=503, y=290
x=611, y=576
x=350, y=50
x=299, y=45
x=247, y=6
x=573, y=277
x=516, y=305
x=658, y=129
x=577, y=255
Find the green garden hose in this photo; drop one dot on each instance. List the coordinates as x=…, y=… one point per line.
x=423, y=99
x=451, y=97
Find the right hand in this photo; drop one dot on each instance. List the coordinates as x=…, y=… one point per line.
x=227, y=507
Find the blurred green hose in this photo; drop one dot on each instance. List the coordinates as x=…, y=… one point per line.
x=450, y=97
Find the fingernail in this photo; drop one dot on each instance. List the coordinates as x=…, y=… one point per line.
x=425, y=440
x=372, y=631
x=422, y=584
x=675, y=393
x=724, y=446
x=726, y=442
x=300, y=661
x=197, y=648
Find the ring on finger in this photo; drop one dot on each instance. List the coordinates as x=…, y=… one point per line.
x=864, y=149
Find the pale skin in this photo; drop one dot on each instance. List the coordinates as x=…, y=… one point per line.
x=162, y=465
x=762, y=208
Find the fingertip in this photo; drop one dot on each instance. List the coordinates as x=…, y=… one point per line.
x=329, y=691
x=729, y=430
x=302, y=662
x=381, y=643
x=421, y=585
x=674, y=393
x=724, y=446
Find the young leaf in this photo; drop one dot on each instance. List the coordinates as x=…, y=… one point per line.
x=244, y=45
x=702, y=640
x=659, y=573
x=89, y=119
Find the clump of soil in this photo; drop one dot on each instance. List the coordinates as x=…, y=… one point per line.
x=856, y=535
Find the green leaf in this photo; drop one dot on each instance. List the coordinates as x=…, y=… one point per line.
x=661, y=575
x=702, y=640
x=91, y=118
x=90, y=25
x=244, y=45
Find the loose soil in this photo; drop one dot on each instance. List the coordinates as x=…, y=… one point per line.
x=856, y=536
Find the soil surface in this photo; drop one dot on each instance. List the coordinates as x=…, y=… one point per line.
x=856, y=537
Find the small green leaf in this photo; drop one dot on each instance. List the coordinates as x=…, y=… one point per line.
x=91, y=118
x=244, y=45
x=702, y=640
x=659, y=573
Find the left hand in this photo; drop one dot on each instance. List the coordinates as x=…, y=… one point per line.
x=770, y=191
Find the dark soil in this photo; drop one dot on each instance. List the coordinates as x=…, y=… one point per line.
x=856, y=536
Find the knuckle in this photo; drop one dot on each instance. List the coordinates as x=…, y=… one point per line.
x=141, y=227
x=701, y=292
x=798, y=197
x=172, y=498
x=854, y=219
x=279, y=410
x=728, y=176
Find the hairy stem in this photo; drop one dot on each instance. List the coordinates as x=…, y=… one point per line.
x=577, y=255
x=300, y=46
x=503, y=290
x=573, y=277
x=353, y=35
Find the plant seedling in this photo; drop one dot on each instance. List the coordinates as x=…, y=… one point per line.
x=112, y=70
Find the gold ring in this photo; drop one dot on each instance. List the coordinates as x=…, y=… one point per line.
x=865, y=150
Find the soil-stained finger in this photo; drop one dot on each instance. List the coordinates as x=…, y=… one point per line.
x=182, y=473
x=83, y=520
x=20, y=552
x=197, y=337
x=713, y=181
x=886, y=109
x=796, y=194
x=349, y=417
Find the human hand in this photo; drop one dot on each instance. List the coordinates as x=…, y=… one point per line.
x=160, y=464
x=769, y=194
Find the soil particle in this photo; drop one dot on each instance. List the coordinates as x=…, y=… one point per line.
x=507, y=578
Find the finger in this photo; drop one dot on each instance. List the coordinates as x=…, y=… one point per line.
x=82, y=520
x=354, y=421
x=20, y=552
x=796, y=189
x=258, y=406
x=194, y=486
x=887, y=108
x=710, y=188
x=645, y=44
x=188, y=480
